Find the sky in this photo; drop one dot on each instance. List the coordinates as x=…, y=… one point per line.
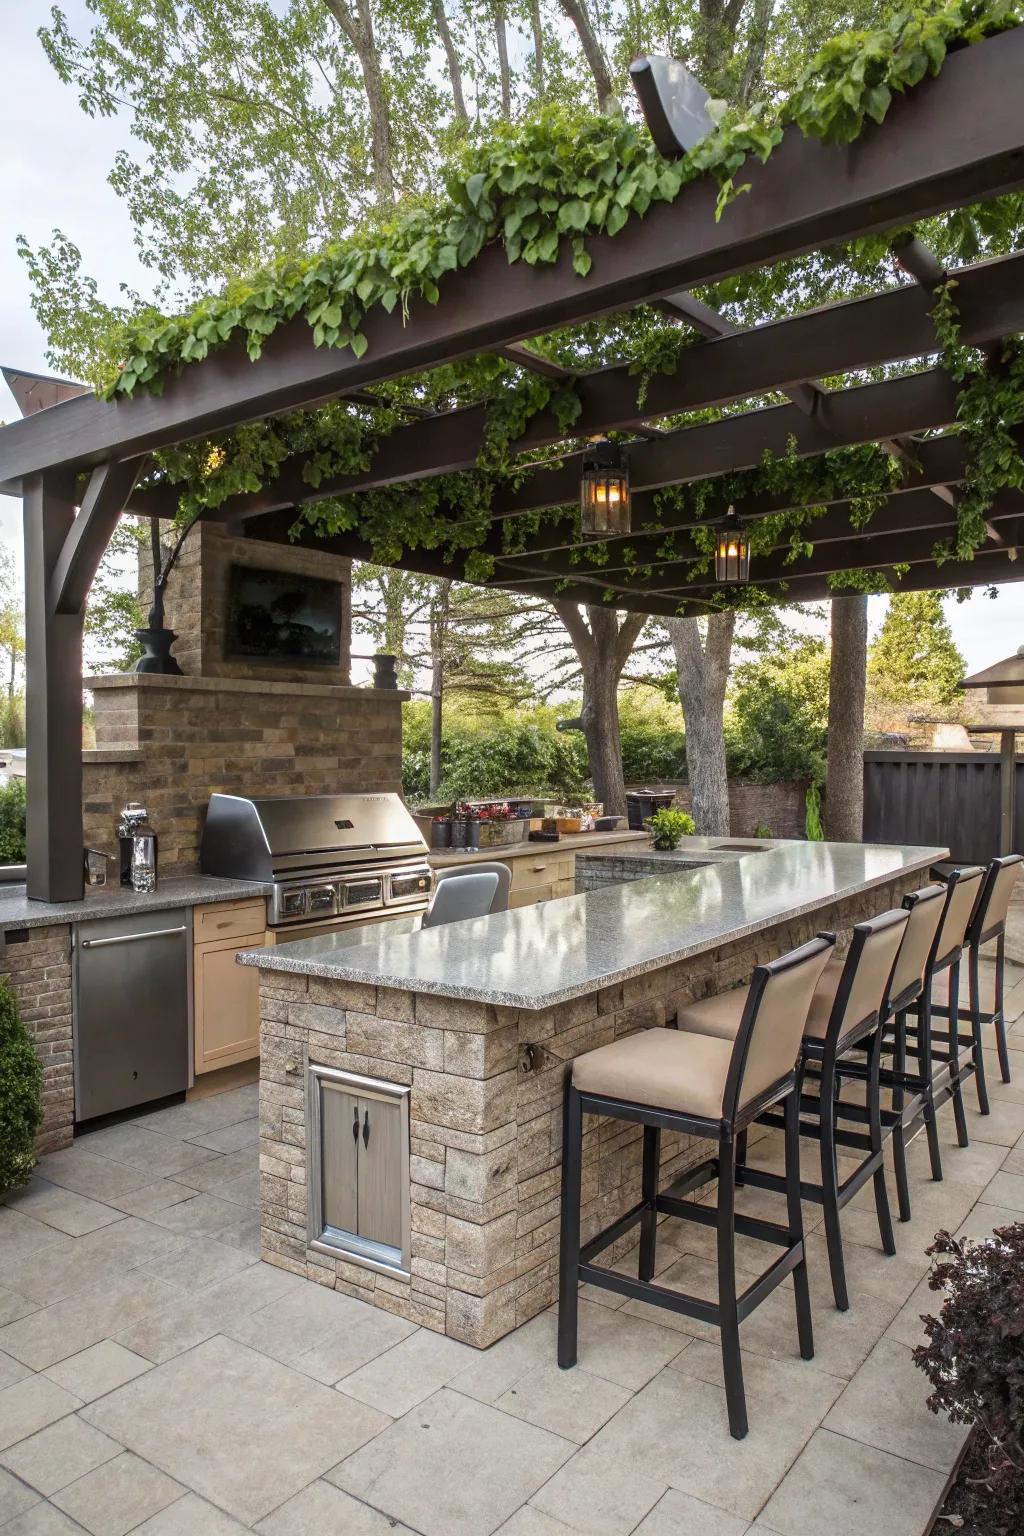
x=54, y=163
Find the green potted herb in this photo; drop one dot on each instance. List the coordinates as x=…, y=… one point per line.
x=668, y=827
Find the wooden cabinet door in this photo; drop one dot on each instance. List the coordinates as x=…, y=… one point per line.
x=227, y=1005
x=380, y=1171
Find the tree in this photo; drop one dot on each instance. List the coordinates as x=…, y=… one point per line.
x=702, y=671
x=914, y=658
x=778, y=713
x=603, y=641
x=844, y=780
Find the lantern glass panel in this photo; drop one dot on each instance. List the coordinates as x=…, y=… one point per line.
x=604, y=501
x=732, y=556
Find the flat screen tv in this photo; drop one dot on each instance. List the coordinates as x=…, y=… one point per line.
x=275, y=616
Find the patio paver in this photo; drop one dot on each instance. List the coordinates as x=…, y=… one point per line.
x=247, y=1396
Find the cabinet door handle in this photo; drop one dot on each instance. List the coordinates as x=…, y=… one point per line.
x=355, y=1125
x=131, y=938
x=366, y=1128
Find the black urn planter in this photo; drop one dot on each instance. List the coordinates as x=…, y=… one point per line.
x=156, y=652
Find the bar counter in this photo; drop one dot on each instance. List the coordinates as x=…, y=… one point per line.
x=472, y=1027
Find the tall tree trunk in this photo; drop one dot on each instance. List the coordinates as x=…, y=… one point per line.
x=501, y=39
x=538, y=45
x=603, y=647
x=702, y=668
x=439, y=610
x=454, y=67
x=577, y=12
x=357, y=26
x=757, y=47
x=844, y=782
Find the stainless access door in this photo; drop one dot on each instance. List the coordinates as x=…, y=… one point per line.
x=132, y=1010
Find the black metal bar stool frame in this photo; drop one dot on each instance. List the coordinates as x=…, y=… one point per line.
x=577, y=1261
x=980, y=931
x=819, y=1121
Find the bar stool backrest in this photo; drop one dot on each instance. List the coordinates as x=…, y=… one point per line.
x=456, y=900
x=499, y=901
x=867, y=974
x=989, y=919
x=926, y=907
x=771, y=1030
x=962, y=891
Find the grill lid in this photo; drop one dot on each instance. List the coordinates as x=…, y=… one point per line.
x=263, y=839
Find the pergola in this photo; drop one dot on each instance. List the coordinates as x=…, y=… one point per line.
x=952, y=141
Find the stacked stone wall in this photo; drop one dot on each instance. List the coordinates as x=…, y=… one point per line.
x=486, y=1111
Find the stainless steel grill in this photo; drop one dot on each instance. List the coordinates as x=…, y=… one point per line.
x=334, y=860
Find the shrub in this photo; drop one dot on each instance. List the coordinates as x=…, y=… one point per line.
x=813, y=829
x=12, y=822
x=21, y=1083
x=777, y=724
x=667, y=827
x=974, y=1357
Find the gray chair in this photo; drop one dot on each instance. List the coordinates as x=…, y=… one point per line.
x=465, y=893
x=499, y=901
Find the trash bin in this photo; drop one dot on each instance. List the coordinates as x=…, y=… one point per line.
x=642, y=803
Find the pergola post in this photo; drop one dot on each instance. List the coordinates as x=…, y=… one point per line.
x=53, y=694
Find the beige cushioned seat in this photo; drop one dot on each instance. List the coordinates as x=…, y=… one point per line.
x=662, y=1068
x=824, y=998
x=719, y=1015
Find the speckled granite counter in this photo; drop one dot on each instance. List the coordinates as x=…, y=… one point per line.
x=535, y=957
x=476, y=1023
x=17, y=911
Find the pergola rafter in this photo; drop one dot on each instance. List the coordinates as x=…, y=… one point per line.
x=952, y=140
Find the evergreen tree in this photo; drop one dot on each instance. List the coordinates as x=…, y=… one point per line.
x=914, y=658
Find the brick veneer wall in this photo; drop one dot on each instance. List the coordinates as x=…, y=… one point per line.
x=197, y=594
x=486, y=1108
x=171, y=741
x=779, y=807
x=39, y=971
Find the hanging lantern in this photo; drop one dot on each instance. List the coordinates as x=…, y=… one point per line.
x=732, y=551
x=604, y=491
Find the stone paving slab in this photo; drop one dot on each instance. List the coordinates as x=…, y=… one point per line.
x=155, y=1377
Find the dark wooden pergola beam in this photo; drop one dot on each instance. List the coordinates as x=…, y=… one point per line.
x=839, y=338
x=902, y=516
x=959, y=141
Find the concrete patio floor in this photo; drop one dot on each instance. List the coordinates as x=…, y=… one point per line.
x=156, y=1377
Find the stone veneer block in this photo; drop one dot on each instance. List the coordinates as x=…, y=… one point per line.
x=486, y=1138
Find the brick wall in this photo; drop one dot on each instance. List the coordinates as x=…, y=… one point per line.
x=779, y=807
x=197, y=593
x=171, y=741
x=39, y=971
x=486, y=1108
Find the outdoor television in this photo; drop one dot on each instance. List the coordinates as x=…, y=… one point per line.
x=277, y=616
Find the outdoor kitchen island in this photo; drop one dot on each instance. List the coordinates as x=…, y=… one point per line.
x=411, y=1085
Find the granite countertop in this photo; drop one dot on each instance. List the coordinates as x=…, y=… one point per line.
x=692, y=851
x=533, y=957
x=569, y=842
x=16, y=911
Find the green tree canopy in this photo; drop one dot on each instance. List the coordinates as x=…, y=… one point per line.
x=914, y=658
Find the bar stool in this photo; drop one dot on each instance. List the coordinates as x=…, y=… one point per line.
x=988, y=922
x=664, y=1079
x=845, y=1013
x=464, y=893
x=963, y=890
x=913, y=1093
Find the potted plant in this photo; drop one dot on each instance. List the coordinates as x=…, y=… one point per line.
x=668, y=827
x=21, y=1083
x=974, y=1359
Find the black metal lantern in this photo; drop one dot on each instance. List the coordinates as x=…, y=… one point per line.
x=732, y=552
x=604, y=491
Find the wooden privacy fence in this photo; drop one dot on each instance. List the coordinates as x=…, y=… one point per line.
x=950, y=798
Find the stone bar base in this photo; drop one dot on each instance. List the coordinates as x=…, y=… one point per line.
x=486, y=1107
x=39, y=971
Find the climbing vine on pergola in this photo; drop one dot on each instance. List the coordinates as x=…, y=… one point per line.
x=420, y=394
